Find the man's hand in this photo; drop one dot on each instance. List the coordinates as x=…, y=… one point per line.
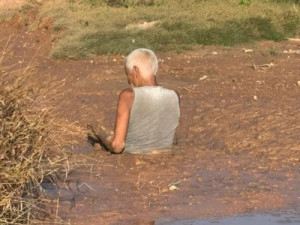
x=101, y=136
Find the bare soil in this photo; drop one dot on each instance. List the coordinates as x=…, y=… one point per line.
x=238, y=147
x=10, y=3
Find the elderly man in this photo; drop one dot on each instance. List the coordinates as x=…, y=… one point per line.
x=147, y=114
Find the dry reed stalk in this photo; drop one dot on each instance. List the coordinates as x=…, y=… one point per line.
x=32, y=143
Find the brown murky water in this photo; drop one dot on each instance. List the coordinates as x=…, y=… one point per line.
x=259, y=219
x=238, y=145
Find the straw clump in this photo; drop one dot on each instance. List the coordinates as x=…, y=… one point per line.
x=30, y=152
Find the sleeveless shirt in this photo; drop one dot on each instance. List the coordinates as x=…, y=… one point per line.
x=154, y=117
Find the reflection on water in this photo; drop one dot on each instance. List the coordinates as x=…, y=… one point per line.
x=239, y=220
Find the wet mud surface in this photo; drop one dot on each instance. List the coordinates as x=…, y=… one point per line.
x=259, y=219
x=238, y=143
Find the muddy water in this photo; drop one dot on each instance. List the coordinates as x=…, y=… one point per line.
x=131, y=189
x=238, y=139
x=256, y=219
x=82, y=189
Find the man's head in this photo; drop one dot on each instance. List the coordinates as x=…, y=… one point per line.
x=141, y=65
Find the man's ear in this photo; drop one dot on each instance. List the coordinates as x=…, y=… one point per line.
x=136, y=75
x=136, y=72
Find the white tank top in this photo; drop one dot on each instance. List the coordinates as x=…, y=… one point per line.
x=154, y=117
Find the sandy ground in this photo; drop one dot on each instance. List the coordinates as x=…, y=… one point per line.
x=11, y=3
x=238, y=145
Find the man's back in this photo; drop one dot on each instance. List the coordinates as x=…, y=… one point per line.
x=147, y=114
x=154, y=117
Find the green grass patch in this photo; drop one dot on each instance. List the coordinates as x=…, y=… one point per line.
x=9, y=10
x=7, y=14
x=91, y=27
x=273, y=52
x=238, y=31
x=287, y=1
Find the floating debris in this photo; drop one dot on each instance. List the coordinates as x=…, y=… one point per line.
x=294, y=39
x=203, y=77
x=173, y=188
x=263, y=67
x=247, y=50
x=292, y=51
x=142, y=26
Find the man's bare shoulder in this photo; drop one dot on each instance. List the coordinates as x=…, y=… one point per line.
x=127, y=93
x=127, y=96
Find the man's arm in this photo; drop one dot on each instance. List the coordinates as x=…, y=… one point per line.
x=116, y=143
x=123, y=113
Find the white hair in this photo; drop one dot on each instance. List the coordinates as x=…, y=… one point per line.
x=144, y=59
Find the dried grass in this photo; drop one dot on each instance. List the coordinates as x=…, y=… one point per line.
x=32, y=144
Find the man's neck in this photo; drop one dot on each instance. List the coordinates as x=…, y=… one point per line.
x=149, y=82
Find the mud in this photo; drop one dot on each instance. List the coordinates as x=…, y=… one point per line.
x=270, y=219
x=238, y=145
